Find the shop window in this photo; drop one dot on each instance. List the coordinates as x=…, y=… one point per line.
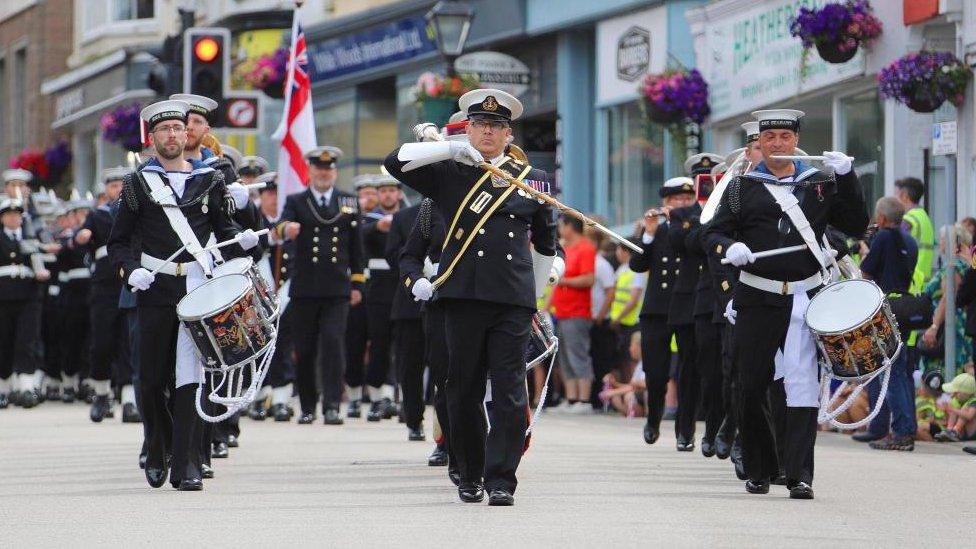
x=336, y=125
x=636, y=157
x=127, y=10
x=377, y=117
x=864, y=136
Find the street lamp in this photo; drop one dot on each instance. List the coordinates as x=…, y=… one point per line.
x=452, y=21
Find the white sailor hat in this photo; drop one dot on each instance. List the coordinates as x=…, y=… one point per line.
x=779, y=119
x=324, y=157
x=732, y=156
x=385, y=180
x=198, y=104
x=253, y=165
x=701, y=163
x=491, y=103
x=270, y=180
x=170, y=109
x=8, y=204
x=232, y=155
x=115, y=174
x=17, y=174
x=677, y=185
x=363, y=181
x=752, y=131
x=459, y=116
x=718, y=168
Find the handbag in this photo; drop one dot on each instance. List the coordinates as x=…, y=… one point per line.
x=936, y=351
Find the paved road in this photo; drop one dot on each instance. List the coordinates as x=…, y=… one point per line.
x=587, y=481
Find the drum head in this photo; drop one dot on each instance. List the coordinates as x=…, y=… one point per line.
x=238, y=265
x=212, y=296
x=843, y=305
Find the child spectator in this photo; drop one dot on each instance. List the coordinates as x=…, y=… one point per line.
x=627, y=398
x=930, y=417
x=960, y=410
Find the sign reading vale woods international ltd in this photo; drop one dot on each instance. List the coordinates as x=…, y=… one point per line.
x=370, y=48
x=750, y=60
x=496, y=70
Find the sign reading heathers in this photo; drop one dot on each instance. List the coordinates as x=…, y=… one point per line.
x=750, y=60
x=371, y=48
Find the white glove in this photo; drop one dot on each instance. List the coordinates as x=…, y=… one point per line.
x=247, y=239
x=239, y=193
x=739, y=254
x=425, y=131
x=422, y=289
x=465, y=153
x=837, y=161
x=557, y=270
x=730, y=312
x=141, y=279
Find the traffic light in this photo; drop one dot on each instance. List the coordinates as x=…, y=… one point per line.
x=206, y=64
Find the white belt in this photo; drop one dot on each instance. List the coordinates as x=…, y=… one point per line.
x=172, y=269
x=74, y=274
x=378, y=264
x=16, y=271
x=100, y=252
x=779, y=286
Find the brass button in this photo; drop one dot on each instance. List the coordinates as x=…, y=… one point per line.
x=481, y=231
x=335, y=229
x=284, y=256
x=334, y=249
x=677, y=260
x=335, y=238
x=316, y=229
x=508, y=257
x=334, y=260
x=353, y=224
x=315, y=249
x=512, y=216
x=315, y=239
x=511, y=235
x=664, y=285
x=13, y=254
x=664, y=259
x=664, y=272
x=284, y=269
x=481, y=253
x=315, y=259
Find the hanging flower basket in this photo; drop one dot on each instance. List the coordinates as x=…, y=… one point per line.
x=33, y=161
x=121, y=126
x=58, y=158
x=266, y=73
x=837, y=30
x=924, y=80
x=436, y=96
x=675, y=96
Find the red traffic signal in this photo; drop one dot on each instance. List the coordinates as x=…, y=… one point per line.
x=206, y=49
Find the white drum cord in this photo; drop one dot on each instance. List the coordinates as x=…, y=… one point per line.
x=826, y=415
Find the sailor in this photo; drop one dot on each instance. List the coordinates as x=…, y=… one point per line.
x=357, y=328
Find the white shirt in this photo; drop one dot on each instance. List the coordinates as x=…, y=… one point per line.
x=13, y=234
x=177, y=180
x=318, y=196
x=603, y=278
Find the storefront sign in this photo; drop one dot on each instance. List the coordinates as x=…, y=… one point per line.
x=629, y=47
x=944, y=138
x=374, y=47
x=496, y=70
x=69, y=103
x=750, y=60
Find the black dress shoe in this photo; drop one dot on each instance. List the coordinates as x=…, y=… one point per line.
x=306, y=419
x=707, y=447
x=29, y=399
x=471, y=492
x=130, y=414
x=722, y=448
x=232, y=441
x=258, y=412
x=219, y=450
x=156, y=476
x=52, y=393
x=685, y=445
x=281, y=413
x=353, y=411
x=757, y=487
x=87, y=394
x=390, y=409
x=499, y=497
x=376, y=411
x=454, y=475
x=332, y=417
x=206, y=471
x=416, y=434
x=740, y=469
x=191, y=485
x=4, y=401
x=801, y=490
x=99, y=408
x=969, y=449
x=68, y=395
x=650, y=434
x=867, y=436
x=437, y=458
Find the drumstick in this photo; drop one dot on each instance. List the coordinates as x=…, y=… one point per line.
x=803, y=157
x=169, y=259
x=234, y=240
x=769, y=253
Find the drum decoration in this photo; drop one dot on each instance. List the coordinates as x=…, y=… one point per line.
x=543, y=344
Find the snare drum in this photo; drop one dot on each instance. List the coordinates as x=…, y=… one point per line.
x=855, y=331
x=227, y=322
x=245, y=266
x=543, y=342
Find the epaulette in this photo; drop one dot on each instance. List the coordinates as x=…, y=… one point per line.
x=128, y=194
x=733, y=192
x=424, y=217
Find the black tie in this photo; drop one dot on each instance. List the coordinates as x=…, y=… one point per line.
x=322, y=202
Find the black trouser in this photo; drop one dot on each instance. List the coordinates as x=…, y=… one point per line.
x=731, y=409
x=689, y=382
x=777, y=415
x=176, y=433
x=109, y=360
x=380, y=343
x=320, y=343
x=656, y=356
x=409, y=336
x=760, y=330
x=14, y=343
x=281, y=372
x=129, y=353
x=437, y=360
x=74, y=337
x=487, y=339
x=357, y=337
x=708, y=359
x=604, y=353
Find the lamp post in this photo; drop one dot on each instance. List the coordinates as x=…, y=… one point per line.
x=452, y=21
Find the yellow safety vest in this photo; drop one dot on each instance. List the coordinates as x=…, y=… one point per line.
x=621, y=295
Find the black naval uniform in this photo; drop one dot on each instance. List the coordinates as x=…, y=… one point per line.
x=18, y=292
x=748, y=214
x=141, y=226
x=723, y=278
x=328, y=266
x=408, y=329
x=380, y=287
x=682, y=320
x=281, y=371
x=658, y=261
x=74, y=278
x=487, y=288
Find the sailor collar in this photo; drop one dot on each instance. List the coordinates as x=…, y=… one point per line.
x=801, y=172
x=199, y=168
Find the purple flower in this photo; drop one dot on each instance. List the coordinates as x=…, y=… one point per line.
x=58, y=157
x=842, y=24
x=925, y=77
x=122, y=126
x=677, y=95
